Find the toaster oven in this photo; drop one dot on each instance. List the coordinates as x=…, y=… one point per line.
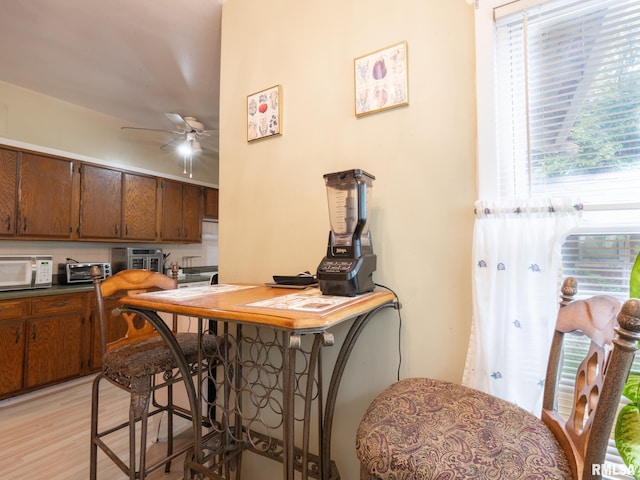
x=81, y=272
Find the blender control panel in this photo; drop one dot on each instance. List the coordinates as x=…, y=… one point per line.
x=336, y=265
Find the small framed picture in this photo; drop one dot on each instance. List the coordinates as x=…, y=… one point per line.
x=263, y=113
x=381, y=79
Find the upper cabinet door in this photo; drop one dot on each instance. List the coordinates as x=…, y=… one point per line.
x=191, y=213
x=100, y=203
x=171, y=211
x=211, y=203
x=181, y=212
x=8, y=191
x=140, y=207
x=44, y=197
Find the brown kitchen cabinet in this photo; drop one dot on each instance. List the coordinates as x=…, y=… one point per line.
x=8, y=192
x=12, y=345
x=192, y=213
x=116, y=205
x=54, y=339
x=35, y=196
x=44, y=197
x=12, y=335
x=100, y=203
x=139, y=203
x=211, y=203
x=53, y=349
x=181, y=212
x=41, y=341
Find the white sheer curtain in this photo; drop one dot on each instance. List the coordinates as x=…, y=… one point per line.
x=516, y=273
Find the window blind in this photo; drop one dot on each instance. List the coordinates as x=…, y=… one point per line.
x=568, y=100
x=601, y=263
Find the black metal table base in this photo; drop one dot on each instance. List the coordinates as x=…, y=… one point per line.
x=260, y=388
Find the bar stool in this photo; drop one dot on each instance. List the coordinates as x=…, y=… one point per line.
x=141, y=364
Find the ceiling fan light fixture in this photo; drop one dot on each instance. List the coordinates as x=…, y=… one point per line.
x=185, y=148
x=192, y=130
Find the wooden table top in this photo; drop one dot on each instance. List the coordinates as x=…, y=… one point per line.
x=284, y=308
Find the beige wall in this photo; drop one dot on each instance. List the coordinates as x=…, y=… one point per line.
x=48, y=124
x=273, y=209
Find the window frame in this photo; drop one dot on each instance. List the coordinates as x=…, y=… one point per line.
x=487, y=166
x=598, y=219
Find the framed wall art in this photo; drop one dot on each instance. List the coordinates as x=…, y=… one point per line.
x=381, y=79
x=264, y=113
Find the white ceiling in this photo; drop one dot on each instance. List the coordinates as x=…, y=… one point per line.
x=131, y=59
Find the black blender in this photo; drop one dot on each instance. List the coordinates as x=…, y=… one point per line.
x=348, y=268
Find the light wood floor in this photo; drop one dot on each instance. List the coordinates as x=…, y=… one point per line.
x=46, y=435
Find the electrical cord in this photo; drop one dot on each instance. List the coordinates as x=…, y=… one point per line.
x=398, y=307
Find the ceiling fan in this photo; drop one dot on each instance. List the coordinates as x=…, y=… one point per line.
x=190, y=131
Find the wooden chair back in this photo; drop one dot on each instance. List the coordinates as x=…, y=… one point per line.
x=584, y=435
x=128, y=282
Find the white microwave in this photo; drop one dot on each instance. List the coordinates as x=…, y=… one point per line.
x=20, y=272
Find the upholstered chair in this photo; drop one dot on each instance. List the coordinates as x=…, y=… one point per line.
x=422, y=428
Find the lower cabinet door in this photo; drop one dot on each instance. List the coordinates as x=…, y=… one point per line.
x=53, y=349
x=12, y=340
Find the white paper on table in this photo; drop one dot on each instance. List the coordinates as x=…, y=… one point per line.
x=310, y=300
x=194, y=292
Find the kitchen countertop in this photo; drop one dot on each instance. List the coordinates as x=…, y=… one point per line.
x=192, y=274
x=207, y=269
x=56, y=289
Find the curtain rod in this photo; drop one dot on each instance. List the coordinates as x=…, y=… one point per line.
x=589, y=207
x=593, y=207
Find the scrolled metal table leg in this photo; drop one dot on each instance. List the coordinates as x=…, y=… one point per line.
x=341, y=362
x=165, y=332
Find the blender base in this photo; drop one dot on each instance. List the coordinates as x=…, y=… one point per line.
x=346, y=277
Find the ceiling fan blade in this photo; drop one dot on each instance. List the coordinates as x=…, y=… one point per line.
x=178, y=121
x=146, y=129
x=206, y=133
x=170, y=144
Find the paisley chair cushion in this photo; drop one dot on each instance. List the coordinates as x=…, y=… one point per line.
x=152, y=355
x=421, y=428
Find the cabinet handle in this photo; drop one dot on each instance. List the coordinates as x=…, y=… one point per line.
x=116, y=229
x=25, y=224
x=178, y=231
x=9, y=223
x=18, y=334
x=184, y=232
x=126, y=229
x=35, y=332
